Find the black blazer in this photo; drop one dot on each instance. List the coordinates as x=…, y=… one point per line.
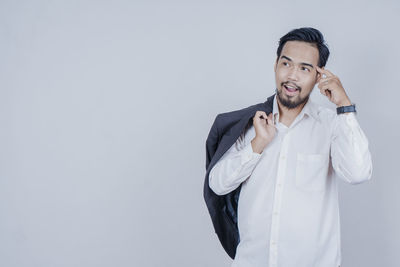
x=224, y=132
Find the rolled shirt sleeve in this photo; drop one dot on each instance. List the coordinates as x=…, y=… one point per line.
x=351, y=158
x=234, y=167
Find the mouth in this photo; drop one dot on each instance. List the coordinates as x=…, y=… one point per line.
x=291, y=90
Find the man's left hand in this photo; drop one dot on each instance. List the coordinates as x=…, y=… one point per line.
x=331, y=87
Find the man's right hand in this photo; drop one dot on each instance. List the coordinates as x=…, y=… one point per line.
x=265, y=131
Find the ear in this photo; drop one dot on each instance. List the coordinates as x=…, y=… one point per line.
x=318, y=77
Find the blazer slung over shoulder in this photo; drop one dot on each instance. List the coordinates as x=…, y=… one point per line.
x=224, y=132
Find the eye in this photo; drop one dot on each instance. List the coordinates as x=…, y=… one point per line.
x=306, y=69
x=285, y=63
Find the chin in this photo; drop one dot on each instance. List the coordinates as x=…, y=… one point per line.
x=290, y=102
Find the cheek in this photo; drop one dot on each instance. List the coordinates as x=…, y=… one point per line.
x=307, y=87
x=281, y=75
x=308, y=81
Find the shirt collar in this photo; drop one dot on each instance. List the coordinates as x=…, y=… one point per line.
x=310, y=109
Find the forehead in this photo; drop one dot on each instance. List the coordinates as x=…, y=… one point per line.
x=301, y=52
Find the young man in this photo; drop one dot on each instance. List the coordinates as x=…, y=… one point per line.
x=287, y=163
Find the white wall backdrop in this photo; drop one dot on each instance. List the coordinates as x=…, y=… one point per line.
x=105, y=107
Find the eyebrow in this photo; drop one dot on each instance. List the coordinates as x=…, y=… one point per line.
x=302, y=63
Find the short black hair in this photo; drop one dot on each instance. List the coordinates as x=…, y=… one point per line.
x=309, y=35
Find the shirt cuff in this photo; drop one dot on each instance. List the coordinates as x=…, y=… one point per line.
x=349, y=117
x=248, y=154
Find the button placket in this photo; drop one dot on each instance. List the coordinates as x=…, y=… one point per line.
x=278, y=199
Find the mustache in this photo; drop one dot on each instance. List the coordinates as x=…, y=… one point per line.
x=285, y=83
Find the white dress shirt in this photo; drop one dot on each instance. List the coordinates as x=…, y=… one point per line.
x=288, y=210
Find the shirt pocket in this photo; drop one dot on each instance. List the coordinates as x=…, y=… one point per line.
x=311, y=171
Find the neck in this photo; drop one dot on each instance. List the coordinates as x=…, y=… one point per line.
x=289, y=114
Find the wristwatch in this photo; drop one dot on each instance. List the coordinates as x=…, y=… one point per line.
x=344, y=109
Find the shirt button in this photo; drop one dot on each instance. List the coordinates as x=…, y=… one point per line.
x=283, y=157
x=275, y=213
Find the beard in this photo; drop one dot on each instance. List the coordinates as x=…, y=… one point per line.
x=289, y=103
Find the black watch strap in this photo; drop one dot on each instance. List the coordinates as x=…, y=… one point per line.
x=344, y=109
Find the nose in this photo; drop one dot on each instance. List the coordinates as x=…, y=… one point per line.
x=293, y=74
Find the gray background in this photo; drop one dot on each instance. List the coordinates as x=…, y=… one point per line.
x=105, y=107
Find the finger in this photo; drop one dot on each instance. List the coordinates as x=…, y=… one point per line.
x=320, y=70
x=324, y=71
x=328, y=94
x=325, y=82
x=329, y=79
x=325, y=92
x=325, y=87
x=263, y=115
x=270, y=122
x=260, y=115
x=330, y=73
x=270, y=119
